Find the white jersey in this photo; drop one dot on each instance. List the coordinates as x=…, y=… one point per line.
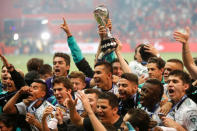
x=154, y=114
x=113, y=90
x=165, y=87
x=38, y=113
x=79, y=105
x=138, y=69
x=185, y=114
x=65, y=112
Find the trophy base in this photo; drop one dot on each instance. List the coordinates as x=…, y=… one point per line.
x=107, y=46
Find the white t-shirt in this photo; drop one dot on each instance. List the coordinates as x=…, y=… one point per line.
x=22, y=109
x=185, y=115
x=79, y=105
x=113, y=90
x=138, y=69
x=65, y=112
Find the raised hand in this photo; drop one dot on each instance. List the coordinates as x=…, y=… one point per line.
x=59, y=115
x=85, y=101
x=166, y=108
x=24, y=90
x=109, y=24
x=102, y=31
x=69, y=102
x=115, y=78
x=151, y=49
x=48, y=111
x=182, y=37
x=65, y=27
x=119, y=48
x=5, y=61
x=142, y=79
x=30, y=118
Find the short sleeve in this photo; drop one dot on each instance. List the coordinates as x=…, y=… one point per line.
x=21, y=107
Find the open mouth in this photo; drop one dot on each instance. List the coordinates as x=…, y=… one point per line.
x=97, y=80
x=165, y=75
x=4, y=78
x=9, y=85
x=171, y=91
x=57, y=70
x=101, y=116
x=58, y=97
x=122, y=93
x=28, y=94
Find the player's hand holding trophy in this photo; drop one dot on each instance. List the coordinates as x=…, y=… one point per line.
x=108, y=43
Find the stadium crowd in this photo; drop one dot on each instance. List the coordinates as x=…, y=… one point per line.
x=145, y=94
x=146, y=19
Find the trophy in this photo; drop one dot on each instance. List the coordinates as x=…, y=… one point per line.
x=108, y=43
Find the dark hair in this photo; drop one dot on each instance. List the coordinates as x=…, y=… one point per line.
x=44, y=86
x=34, y=64
x=64, y=80
x=139, y=118
x=8, y=120
x=144, y=54
x=77, y=74
x=182, y=75
x=139, y=46
x=177, y=61
x=92, y=91
x=117, y=60
x=41, y=82
x=159, y=85
x=63, y=55
x=158, y=61
x=107, y=65
x=45, y=69
x=31, y=76
x=130, y=77
x=112, y=98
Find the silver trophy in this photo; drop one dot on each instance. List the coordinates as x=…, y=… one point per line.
x=108, y=43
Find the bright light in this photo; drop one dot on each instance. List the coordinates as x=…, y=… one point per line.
x=16, y=36
x=44, y=21
x=45, y=35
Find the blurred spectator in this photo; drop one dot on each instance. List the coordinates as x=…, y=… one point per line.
x=133, y=21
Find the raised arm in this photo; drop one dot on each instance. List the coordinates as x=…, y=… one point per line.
x=151, y=49
x=124, y=65
x=10, y=107
x=74, y=115
x=17, y=78
x=97, y=125
x=78, y=58
x=102, y=33
x=46, y=113
x=186, y=53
